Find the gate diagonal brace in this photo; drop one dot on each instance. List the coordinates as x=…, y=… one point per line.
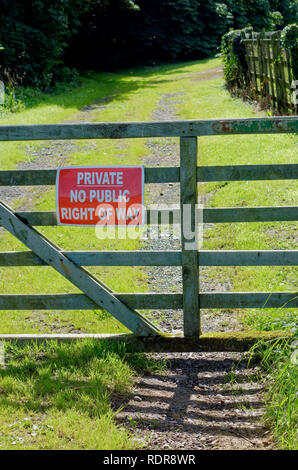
x=80, y=277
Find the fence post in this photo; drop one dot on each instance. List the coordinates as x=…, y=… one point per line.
x=255, y=59
x=283, y=83
x=260, y=36
x=271, y=71
x=290, y=80
x=190, y=271
x=276, y=58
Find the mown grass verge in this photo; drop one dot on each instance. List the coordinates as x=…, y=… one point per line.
x=279, y=360
x=59, y=396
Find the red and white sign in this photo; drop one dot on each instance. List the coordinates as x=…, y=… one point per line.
x=100, y=195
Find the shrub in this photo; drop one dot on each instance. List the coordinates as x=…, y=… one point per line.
x=289, y=41
x=235, y=65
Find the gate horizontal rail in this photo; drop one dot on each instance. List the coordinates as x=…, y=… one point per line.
x=165, y=217
x=164, y=301
x=188, y=174
x=125, y=130
x=166, y=174
x=158, y=258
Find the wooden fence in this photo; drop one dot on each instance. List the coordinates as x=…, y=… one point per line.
x=95, y=294
x=270, y=74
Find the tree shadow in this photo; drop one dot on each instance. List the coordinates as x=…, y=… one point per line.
x=105, y=87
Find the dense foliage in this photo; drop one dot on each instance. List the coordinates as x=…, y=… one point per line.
x=41, y=36
x=167, y=30
x=34, y=35
x=234, y=58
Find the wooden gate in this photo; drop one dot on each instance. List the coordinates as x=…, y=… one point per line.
x=95, y=294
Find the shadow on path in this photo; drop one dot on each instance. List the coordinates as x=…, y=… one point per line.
x=206, y=401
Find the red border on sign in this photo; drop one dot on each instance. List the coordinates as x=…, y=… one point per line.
x=125, y=194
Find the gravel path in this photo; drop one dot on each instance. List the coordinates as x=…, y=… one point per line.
x=205, y=402
x=166, y=279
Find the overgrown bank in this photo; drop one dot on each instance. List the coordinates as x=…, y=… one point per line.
x=279, y=363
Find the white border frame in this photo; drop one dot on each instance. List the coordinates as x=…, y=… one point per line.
x=100, y=166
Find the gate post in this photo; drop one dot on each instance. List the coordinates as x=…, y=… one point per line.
x=189, y=227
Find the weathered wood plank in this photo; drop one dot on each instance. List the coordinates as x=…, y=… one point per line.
x=208, y=300
x=212, y=215
x=98, y=258
x=82, y=302
x=254, y=66
x=250, y=214
x=271, y=72
x=235, y=342
x=166, y=174
x=248, y=258
x=28, y=177
x=48, y=218
x=189, y=241
x=162, y=174
x=38, y=218
x=125, y=258
x=48, y=177
x=261, y=64
x=93, y=288
x=159, y=258
x=276, y=53
x=247, y=172
x=124, y=130
x=250, y=300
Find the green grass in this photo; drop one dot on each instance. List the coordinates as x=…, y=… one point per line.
x=279, y=362
x=133, y=95
x=208, y=100
x=58, y=396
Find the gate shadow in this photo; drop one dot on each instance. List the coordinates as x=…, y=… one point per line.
x=211, y=397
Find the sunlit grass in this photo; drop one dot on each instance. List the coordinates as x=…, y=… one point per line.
x=133, y=95
x=279, y=361
x=57, y=396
